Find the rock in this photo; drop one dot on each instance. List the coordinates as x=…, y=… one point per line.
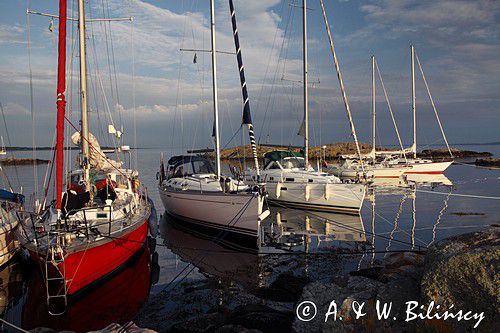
x=129, y=327
x=463, y=271
x=235, y=329
x=261, y=317
x=444, y=153
x=488, y=162
x=200, y=323
x=286, y=288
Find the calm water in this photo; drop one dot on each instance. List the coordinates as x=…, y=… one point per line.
x=390, y=221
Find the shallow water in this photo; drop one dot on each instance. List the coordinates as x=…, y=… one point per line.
x=390, y=221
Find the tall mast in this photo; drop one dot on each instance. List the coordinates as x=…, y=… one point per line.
x=306, y=95
x=413, y=102
x=247, y=116
x=61, y=103
x=84, y=135
x=214, y=88
x=374, y=112
x=341, y=83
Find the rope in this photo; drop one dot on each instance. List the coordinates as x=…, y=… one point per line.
x=32, y=103
x=13, y=326
x=460, y=195
x=476, y=166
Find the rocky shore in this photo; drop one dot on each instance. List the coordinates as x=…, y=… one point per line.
x=444, y=153
x=458, y=273
x=21, y=161
x=488, y=162
x=335, y=150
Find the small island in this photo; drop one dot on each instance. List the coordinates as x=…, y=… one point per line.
x=335, y=150
x=15, y=161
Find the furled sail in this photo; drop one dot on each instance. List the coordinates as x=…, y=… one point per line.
x=97, y=158
x=247, y=117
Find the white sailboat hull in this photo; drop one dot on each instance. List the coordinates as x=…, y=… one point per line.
x=239, y=213
x=343, y=198
x=428, y=168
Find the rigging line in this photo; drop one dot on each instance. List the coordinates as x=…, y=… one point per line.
x=272, y=88
x=391, y=112
x=32, y=105
x=13, y=326
x=476, y=166
x=133, y=96
x=269, y=59
x=179, y=74
x=473, y=196
x=433, y=105
x=10, y=145
x=114, y=63
x=105, y=25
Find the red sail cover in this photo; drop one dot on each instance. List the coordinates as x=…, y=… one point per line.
x=61, y=103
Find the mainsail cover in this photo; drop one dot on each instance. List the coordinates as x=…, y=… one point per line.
x=98, y=160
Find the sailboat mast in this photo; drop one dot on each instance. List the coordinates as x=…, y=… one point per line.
x=247, y=117
x=413, y=102
x=341, y=83
x=374, y=112
x=306, y=93
x=84, y=135
x=214, y=88
x=61, y=102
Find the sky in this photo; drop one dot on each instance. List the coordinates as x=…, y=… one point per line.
x=137, y=71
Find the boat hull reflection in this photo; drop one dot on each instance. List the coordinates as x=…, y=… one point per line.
x=115, y=301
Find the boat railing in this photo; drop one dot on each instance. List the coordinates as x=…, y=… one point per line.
x=86, y=226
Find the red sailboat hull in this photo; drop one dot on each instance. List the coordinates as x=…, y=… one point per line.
x=116, y=301
x=94, y=262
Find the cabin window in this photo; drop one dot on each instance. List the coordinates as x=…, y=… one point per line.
x=102, y=215
x=274, y=166
x=290, y=179
x=311, y=180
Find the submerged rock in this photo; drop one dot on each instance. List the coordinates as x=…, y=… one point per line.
x=462, y=273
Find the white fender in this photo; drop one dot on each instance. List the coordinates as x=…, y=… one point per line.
x=327, y=191
x=278, y=217
x=307, y=192
x=279, y=185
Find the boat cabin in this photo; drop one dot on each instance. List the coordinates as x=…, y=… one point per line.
x=188, y=165
x=283, y=159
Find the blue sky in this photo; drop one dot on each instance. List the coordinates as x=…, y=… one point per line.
x=458, y=43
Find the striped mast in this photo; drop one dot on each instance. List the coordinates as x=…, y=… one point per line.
x=247, y=117
x=61, y=102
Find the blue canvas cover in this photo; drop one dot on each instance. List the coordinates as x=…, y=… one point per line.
x=10, y=196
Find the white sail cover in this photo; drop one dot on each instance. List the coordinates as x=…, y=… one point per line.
x=98, y=159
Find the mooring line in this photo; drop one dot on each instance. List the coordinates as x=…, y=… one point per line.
x=460, y=195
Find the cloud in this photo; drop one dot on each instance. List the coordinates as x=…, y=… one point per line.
x=12, y=34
